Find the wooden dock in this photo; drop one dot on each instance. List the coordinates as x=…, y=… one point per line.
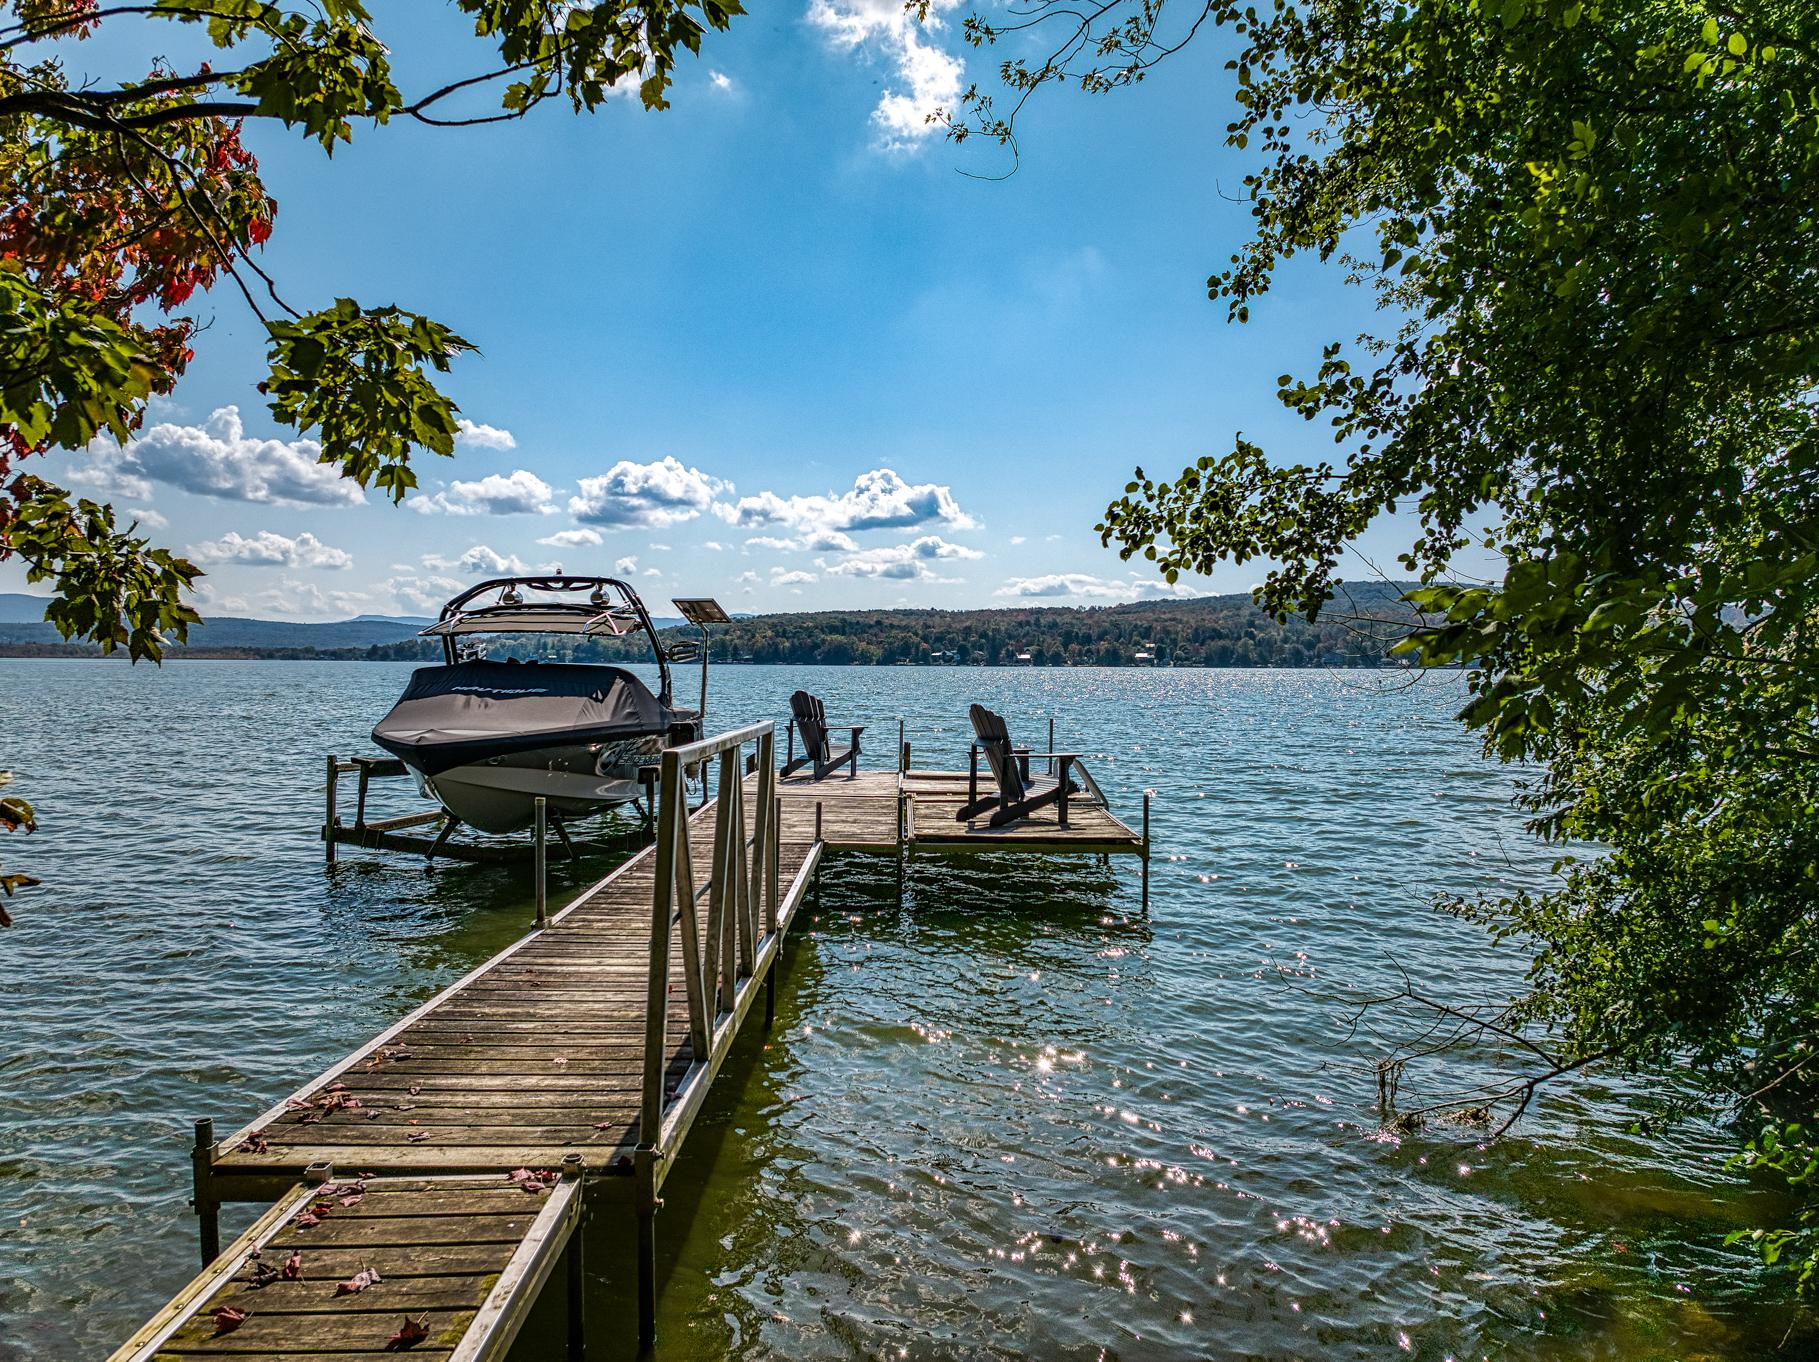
x=583, y=1051
x=447, y=1267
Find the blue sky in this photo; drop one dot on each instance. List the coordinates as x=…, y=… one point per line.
x=769, y=344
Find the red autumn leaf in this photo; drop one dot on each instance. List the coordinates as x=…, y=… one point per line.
x=293, y=1266
x=417, y=1136
x=336, y=1087
x=357, y=1283
x=409, y=1335
x=354, y=1198
x=308, y=1220
x=254, y=1143
x=228, y=1319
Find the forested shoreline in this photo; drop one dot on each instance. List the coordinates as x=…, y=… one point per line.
x=1215, y=631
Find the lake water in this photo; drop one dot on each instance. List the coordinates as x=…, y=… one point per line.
x=1004, y=1119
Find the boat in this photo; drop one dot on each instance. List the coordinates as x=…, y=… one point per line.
x=486, y=737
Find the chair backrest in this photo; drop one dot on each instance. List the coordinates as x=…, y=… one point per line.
x=995, y=741
x=811, y=722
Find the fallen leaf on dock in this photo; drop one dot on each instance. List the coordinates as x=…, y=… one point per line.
x=603, y=1125
x=228, y=1319
x=355, y=1197
x=293, y=1266
x=417, y=1136
x=254, y=1143
x=357, y=1283
x=409, y=1335
x=416, y=1089
x=263, y=1275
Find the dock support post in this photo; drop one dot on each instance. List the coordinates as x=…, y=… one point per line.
x=647, y=1253
x=542, y=860
x=208, y=1210
x=1051, y=744
x=329, y=816
x=577, y=1277
x=1146, y=852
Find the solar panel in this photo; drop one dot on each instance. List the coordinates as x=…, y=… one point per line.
x=702, y=610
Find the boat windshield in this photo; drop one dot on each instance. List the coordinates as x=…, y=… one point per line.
x=551, y=619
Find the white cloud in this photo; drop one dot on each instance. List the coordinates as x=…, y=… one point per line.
x=927, y=76
x=645, y=494
x=420, y=594
x=1085, y=586
x=878, y=500
x=746, y=578
x=269, y=549
x=106, y=468
x=481, y=561
x=721, y=81
x=477, y=436
x=292, y=600
x=903, y=562
x=1018, y=539
x=520, y=492
x=217, y=459
x=781, y=577
x=625, y=567
x=714, y=544
x=148, y=518
x=574, y=539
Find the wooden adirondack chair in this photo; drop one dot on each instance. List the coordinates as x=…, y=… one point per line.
x=1018, y=794
x=809, y=717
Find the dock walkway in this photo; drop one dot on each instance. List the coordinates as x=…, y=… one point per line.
x=584, y=1050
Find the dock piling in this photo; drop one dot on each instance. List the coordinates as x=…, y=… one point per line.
x=208, y=1210
x=542, y=861
x=1146, y=850
x=329, y=818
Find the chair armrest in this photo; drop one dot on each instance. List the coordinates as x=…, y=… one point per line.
x=1071, y=756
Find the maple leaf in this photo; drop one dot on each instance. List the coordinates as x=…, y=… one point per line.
x=293, y=1266
x=228, y=1319
x=409, y=1335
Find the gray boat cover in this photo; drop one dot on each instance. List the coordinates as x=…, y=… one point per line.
x=454, y=716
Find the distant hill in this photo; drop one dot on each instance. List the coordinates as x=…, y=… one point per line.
x=1208, y=631
x=22, y=622
x=16, y=608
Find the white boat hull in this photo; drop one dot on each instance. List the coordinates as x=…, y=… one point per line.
x=500, y=793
